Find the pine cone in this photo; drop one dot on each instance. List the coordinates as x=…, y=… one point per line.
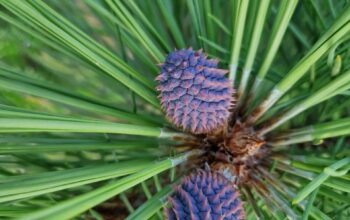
x=195, y=95
x=205, y=195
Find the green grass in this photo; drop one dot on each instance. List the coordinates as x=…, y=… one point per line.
x=81, y=128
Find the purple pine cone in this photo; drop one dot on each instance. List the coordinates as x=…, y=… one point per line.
x=205, y=195
x=194, y=94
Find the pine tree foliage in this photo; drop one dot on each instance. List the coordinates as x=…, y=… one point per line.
x=83, y=134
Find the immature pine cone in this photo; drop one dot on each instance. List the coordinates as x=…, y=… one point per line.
x=205, y=195
x=195, y=95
